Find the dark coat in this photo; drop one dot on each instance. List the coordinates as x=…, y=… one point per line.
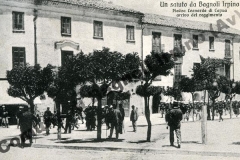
x=134, y=115
x=26, y=121
x=122, y=113
x=174, y=118
x=116, y=116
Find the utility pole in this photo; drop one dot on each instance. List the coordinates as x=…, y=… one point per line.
x=35, y=14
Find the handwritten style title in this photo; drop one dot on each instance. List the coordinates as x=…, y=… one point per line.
x=201, y=4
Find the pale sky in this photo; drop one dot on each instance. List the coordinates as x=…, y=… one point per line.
x=153, y=6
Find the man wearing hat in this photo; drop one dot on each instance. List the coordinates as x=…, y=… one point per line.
x=26, y=123
x=174, y=121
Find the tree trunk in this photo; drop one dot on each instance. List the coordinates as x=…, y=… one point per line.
x=147, y=115
x=230, y=107
x=193, y=105
x=32, y=106
x=213, y=109
x=99, y=119
x=208, y=110
x=58, y=119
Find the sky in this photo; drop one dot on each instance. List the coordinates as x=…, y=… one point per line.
x=153, y=6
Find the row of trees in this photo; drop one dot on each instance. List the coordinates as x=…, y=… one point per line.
x=94, y=72
x=205, y=78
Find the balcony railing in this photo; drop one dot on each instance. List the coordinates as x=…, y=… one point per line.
x=228, y=53
x=179, y=51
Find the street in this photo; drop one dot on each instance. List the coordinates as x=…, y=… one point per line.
x=223, y=142
x=61, y=154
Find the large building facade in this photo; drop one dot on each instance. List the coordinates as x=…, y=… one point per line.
x=47, y=31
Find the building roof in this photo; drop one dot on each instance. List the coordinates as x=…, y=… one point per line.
x=100, y=4
x=187, y=24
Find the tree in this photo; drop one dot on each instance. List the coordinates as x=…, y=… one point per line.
x=229, y=88
x=156, y=64
x=174, y=92
x=104, y=68
x=28, y=82
x=65, y=79
x=190, y=85
x=118, y=96
x=206, y=73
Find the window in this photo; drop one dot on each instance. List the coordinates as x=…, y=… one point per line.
x=227, y=49
x=196, y=65
x=227, y=71
x=211, y=43
x=177, y=72
x=66, y=26
x=98, y=29
x=130, y=33
x=18, y=56
x=18, y=21
x=178, y=41
x=66, y=55
x=195, y=41
x=156, y=42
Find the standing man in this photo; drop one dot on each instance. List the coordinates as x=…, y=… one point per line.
x=134, y=118
x=5, y=117
x=47, y=119
x=68, y=122
x=115, y=120
x=174, y=121
x=26, y=120
x=121, y=127
x=18, y=115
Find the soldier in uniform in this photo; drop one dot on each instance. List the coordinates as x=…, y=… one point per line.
x=174, y=118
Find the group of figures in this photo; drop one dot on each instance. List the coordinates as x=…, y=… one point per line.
x=112, y=116
x=220, y=108
x=30, y=123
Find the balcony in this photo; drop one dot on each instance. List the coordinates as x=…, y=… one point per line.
x=228, y=54
x=179, y=51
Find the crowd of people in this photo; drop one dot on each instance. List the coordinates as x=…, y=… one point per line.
x=220, y=108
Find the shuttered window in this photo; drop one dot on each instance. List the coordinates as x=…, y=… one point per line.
x=195, y=41
x=211, y=43
x=130, y=33
x=18, y=20
x=18, y=56
x=98, y=29
x=156, y=42
x=66, y=26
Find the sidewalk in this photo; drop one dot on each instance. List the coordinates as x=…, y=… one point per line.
x=223, y=138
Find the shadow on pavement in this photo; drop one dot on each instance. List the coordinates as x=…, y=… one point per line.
x=91, y=140
x=140, y=141
x=236, y=143
x=196, y=142
x=58, y=140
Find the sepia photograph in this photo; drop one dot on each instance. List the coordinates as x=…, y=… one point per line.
x=119, y=79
